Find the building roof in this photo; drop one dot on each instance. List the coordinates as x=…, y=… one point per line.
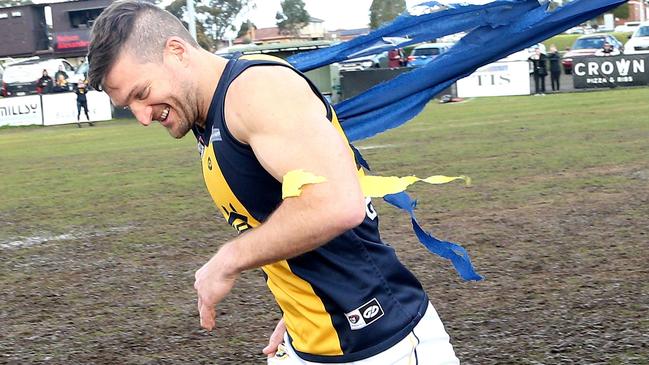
x=275, y=47
x=351, y=32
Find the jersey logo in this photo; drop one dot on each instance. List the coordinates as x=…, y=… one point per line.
x=201, y=149
x=236, y=220
x=369, y=209
x=216, y=135
x=365, y=315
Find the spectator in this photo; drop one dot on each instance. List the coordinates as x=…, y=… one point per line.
x=60, y=72
x=396, y=58
x=555, y=67
x=60, y=83
x=44, y=84
x=81, y=89
x=607, y=50
x=540, y=70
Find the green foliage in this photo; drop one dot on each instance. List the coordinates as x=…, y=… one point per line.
x=213, y=18
x=245, y=27
x=622, y=11
x=383, y=11
x=292, y=17
x=220, y=15
x=8, y=3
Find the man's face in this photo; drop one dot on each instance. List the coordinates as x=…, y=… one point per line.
x=154, y=91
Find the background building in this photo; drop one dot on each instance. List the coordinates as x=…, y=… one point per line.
x=26, y=32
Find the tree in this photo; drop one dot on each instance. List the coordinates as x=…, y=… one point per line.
x=8, y=3
x=383, y=11
x=213, y=18
x=622, y=11
x=245, y=27
x=293, y=16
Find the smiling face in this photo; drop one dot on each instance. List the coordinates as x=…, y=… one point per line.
x=161, y=91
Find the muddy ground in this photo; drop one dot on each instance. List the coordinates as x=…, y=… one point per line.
x=566, y=283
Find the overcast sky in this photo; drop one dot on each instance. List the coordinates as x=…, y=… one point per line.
x=337, y=14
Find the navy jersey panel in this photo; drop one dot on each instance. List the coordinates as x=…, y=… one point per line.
x=361, y=271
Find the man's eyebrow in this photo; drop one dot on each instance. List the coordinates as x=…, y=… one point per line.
x=128, y=97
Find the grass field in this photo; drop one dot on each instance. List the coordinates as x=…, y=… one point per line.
x=102, y=228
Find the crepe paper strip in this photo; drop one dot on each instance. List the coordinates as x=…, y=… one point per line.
x=380, y=186
x=392, y=189
x=372, y=186
x=448, y=250
x=294, y=180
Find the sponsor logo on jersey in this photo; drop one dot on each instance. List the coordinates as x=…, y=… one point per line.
x=365, y=315
x=201, y=148
x=216, y=135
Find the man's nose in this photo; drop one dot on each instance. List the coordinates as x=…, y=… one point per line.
x=142, y=113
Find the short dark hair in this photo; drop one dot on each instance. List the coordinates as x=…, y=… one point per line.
x=139, y=26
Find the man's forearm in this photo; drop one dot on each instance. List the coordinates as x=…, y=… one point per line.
x=297, y=226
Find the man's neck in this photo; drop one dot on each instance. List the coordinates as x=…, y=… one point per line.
x=210, y=68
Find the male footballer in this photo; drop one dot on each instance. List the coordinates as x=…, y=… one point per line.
x=345, y=297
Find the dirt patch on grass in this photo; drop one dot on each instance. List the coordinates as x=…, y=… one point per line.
x=566, y=283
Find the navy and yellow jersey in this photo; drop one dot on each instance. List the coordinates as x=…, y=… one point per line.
x=344, y=301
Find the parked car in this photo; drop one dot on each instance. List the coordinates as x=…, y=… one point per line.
x=20, y=78
x=604, y=29
x=639, y=41
x=80, y=73
x=575, y=30
x=627, y=27
x=424, y=53
x=588, y=45
x=366, y=62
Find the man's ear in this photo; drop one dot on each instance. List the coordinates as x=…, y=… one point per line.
x=176, y=51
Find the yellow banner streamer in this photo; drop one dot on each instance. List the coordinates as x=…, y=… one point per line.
x=294, y=180
x=380, y=186
x=372, y=186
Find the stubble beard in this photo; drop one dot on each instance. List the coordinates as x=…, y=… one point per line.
x=186, y=115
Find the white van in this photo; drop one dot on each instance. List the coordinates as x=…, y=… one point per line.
x=20, y=78
x=639, y=41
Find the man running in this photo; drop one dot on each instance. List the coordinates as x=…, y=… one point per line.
x=344, y=295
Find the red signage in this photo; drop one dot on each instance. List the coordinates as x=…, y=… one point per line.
x=71, y=41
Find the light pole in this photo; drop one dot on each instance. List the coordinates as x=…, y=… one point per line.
x=192, y=18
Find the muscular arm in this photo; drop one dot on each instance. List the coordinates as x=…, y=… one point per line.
x=274, y=111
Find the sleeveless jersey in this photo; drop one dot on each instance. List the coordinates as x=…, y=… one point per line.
x=344, y=301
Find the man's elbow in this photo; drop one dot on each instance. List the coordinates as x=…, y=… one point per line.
x=349, y=214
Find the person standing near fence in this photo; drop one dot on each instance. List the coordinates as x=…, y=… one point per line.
x=540, y=70
x=44, y=84
x=555, y=67
x=81, y=89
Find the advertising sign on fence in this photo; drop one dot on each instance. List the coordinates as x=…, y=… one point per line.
x=497, y=79
x=611, y=71
x=24, y=110
x=62, y=108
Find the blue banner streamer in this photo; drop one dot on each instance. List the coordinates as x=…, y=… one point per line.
x=495, y=29
x=448, y=250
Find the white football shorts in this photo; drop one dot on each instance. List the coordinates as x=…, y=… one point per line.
x=427, y=344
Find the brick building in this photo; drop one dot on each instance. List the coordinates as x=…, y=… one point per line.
x=25, y=31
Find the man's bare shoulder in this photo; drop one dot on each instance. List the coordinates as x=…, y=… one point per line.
x=275, y=81
x=263, y=95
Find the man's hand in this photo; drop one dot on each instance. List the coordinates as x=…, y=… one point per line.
x=275, y=339
x=213, y=283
